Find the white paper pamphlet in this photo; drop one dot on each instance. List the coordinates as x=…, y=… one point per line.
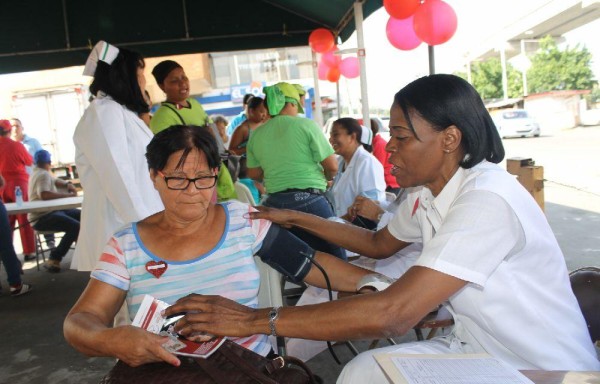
x=149, y=318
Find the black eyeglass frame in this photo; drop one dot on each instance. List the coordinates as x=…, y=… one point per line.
x=167, y=178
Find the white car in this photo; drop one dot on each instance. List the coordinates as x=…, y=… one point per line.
x=383, y=123
x=515, y=123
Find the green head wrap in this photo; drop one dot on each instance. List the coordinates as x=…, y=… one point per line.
x=278, y=95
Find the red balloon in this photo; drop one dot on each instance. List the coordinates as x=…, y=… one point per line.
x=435, y=22
x=401, y=9
x=321, y=40
x=334, y=74
x=401, y=33
x=322, y=70
x=330, y=59
x=350, y=67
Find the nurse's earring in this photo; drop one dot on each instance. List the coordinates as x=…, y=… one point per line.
x=446, y=151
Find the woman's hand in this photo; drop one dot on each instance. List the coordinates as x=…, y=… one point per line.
x=209, y=316
x=136, y=346
x=365, y=207
x=282, y=217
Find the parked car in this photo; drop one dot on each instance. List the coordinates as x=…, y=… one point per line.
x=382, y=122
x=515, y=123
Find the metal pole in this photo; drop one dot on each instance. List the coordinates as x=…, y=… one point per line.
x=318, y=115
x=431, y=59
x=525, y=92
x=469, y=75
x=364, y=98
x=504, y=76
x=339, y=102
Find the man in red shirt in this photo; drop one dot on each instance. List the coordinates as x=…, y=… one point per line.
x=379, y=152
x=13, y=160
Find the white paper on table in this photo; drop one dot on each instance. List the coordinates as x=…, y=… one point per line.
x=448, y=368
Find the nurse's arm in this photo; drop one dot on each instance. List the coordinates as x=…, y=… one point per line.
x=392, y=312
x=377, y=245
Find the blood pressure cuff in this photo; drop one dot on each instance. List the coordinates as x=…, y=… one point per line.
x=286, y=253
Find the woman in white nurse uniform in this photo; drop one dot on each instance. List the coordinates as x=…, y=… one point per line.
x=359, y=172
x=110, y=144
x=489, y=255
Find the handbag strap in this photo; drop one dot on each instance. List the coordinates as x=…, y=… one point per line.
x=174, y=110
x=291, y=360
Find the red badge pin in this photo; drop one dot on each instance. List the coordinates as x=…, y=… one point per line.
x=157, y=268
x=415, y=207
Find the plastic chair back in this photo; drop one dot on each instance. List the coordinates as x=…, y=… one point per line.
x=586, y=287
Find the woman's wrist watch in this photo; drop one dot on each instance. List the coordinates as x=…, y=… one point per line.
x=273, y=316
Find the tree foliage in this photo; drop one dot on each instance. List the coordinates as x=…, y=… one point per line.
x=554, y=69
x=486, y=77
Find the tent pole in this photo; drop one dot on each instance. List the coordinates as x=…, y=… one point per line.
x=318, y=116
x=364, y=98
x=431, y=59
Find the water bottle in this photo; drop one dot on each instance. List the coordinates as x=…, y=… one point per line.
x=18, y=196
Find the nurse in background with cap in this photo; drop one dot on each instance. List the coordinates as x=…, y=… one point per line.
x=359, y=172
x=294, y=159
x=110, y=144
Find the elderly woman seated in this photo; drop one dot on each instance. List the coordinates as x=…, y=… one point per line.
x=192, y=246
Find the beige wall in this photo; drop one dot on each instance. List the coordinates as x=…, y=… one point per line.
x=197, y=67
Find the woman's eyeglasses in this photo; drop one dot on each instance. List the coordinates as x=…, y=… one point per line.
x=180, y=183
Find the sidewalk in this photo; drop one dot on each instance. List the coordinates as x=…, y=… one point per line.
x=35, y=352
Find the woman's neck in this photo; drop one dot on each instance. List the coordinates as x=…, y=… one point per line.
x=180, y=103
x=347, y=155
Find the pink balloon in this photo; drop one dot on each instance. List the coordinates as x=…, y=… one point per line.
x=350, y=67
x=330, y=59
x=322, y=70
x=435, y=22
x=401, y=34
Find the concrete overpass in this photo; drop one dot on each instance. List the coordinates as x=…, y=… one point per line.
x=517, y=39
x=554, y=18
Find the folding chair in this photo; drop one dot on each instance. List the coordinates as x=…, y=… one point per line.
x=40, y=242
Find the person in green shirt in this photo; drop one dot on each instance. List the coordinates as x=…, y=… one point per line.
x=295, y=160
x=181, y=109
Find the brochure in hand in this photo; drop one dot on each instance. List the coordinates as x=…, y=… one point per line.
x=149, y=318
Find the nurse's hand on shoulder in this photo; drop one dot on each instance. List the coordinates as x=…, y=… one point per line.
x=282, y=217
x=136, y=346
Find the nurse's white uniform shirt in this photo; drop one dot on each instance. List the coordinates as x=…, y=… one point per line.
x=110, y=146
x=487, y=230
x=362, y=176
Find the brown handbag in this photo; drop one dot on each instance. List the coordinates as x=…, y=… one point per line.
x=230, y=363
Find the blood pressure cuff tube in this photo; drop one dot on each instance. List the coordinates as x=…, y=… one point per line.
x=286, y=253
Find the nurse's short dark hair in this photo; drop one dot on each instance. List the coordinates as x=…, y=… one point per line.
x=182, y=137
x=444, y=100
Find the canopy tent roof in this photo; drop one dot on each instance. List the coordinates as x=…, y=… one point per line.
x=45, y=34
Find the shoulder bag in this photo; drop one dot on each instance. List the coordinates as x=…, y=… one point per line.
x=230, y=363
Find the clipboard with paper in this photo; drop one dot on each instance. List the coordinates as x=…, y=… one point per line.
x=444, y=368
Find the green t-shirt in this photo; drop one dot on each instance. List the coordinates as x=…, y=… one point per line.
x=289, y=149
x=166, y=116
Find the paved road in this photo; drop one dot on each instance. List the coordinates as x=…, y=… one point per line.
x=571, y=161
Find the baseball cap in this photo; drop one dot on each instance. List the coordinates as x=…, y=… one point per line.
x=5, y=125
x=42, y=156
